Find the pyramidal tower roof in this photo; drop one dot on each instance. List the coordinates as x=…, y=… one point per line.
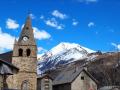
x=27, y=36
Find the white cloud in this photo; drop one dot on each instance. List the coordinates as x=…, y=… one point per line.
x=32, y=16
x=6, y=41
x=58, y=14
x=41, y=50
x=88, y=1
x=11, y=24
x=53, y=23
x=117, y=46
x=41, y=17
x=91, y=1
x=91, y=24
x=75, y=23
x=40, y=34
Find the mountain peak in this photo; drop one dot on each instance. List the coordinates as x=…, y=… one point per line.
x=63, y=53
x=66, y=46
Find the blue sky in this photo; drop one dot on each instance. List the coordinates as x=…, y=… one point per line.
x=94, y=24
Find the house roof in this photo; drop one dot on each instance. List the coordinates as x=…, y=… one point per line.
x=69, y=75
x=7, y=68
x=7, y=57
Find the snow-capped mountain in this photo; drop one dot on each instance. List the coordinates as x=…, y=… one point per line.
x=63, y=53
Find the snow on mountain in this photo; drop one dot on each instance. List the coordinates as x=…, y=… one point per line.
x=65, y=46
x=62, y=54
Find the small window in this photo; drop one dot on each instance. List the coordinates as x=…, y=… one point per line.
x=46, y=80
x=27, y=28
x=47, y=87
x=20, y=52
x=82, y=77
x=28, y=52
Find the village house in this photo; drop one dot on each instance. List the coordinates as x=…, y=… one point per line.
x=44, y=82
x=75, y=79
x=71, y=78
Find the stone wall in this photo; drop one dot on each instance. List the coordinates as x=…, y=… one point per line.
x=25, y=64
x=62, y=87
x=1, y=82
x=16, y=81
x=83, y=82
x=27, y=72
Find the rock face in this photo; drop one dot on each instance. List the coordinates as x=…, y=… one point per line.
x=63, y=53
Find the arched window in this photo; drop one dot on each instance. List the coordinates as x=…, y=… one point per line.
x=28, y=51
x=25, y=85
x=27, y=28
x=20, y=52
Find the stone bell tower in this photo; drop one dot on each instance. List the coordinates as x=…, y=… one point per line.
x=25, y=58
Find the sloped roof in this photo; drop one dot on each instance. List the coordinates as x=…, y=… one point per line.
x=7, y=57
x=7, y=68
x=69, y=75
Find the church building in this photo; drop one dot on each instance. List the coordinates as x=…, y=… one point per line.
x=24, y=57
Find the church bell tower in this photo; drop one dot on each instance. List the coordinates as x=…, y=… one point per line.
x=25, y=58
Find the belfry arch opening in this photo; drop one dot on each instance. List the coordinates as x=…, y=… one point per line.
x=20, y=52
x=28, y=52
